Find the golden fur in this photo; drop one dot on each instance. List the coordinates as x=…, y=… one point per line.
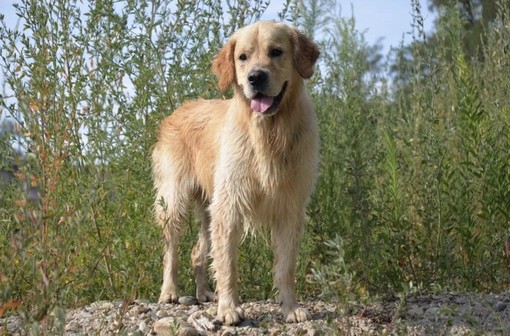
x=242, y=164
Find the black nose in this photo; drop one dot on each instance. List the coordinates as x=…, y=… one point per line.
x=257, y=78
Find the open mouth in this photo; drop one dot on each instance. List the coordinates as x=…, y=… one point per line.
x=264, y=104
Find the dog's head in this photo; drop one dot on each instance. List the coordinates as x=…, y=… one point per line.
x=262, y=60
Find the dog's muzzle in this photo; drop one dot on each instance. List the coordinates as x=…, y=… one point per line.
x=265, y=104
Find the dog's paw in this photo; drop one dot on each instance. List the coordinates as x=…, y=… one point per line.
x=297, y=314
x=168, y=298
x=230, y=316
x=206, y=296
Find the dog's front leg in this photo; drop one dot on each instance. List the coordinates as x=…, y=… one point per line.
x=285, y=237
x=225, y=237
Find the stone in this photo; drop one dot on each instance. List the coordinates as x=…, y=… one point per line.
x=142, y=302
x=72, y=326
x=170, y=326
x=204, y=322
x=415, y=311
x=116, y=325
x=432, y=311
x=144, y=327
x=188, y=300
x=142, y=309
x=193, y=309
x=500, y=306
x=229, y=332
x=161, y=313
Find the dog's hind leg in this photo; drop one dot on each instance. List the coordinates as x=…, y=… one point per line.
x=171, y=206
x=200, y=254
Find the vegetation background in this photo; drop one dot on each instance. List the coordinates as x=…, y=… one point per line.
x=414, y=187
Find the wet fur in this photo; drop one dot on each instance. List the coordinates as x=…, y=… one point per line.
x=240, y=170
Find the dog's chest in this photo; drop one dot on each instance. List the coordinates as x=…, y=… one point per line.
x=272, y=173
x=276, y=161
x=264, y=164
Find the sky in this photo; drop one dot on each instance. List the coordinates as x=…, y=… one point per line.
x=385, y=21
x=389, y=20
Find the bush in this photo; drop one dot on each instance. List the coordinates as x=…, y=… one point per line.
x=87, y=85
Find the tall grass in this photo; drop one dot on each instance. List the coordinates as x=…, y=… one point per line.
x=414, y=172
x=87, y=82
x=414, y=175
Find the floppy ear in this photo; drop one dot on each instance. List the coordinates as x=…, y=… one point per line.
x=306, y=53
x=223, y=66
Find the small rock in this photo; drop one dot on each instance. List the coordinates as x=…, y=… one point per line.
x=193, y=309
x=169, y=326
x=161, y=313
x=460, y=300
x=188, y=300
x=229, y=332
x=120, y=304
x=432, y=311
x=312, y=332
x=142, y=302
x=212, y=310
x=415, y=312
x=100, y=305
x=166, y=326
x=144, y=327
x=73, y=326
x=247, y=323
x=204, y=322
x=500, y=306
x=116, y=325
x=142, y=309
x=275, y=331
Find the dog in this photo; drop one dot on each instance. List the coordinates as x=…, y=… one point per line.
x=245, y=163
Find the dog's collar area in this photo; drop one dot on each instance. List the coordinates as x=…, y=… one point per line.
x=266, y=105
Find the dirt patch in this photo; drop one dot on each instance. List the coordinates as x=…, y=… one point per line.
x=431, y=314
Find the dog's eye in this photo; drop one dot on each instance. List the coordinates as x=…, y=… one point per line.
x=243, y=57
x=275, y=52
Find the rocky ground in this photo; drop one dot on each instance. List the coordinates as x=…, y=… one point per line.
x=433, y=314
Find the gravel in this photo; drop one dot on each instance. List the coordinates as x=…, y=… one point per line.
x=425, y=314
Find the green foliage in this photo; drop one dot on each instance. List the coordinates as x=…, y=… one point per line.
x=414, y=176
x=87, y=83
x=477, y=15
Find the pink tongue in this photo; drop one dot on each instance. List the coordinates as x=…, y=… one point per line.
x=261, y=104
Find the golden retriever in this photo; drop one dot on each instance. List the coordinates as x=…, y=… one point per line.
x=245, y=163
